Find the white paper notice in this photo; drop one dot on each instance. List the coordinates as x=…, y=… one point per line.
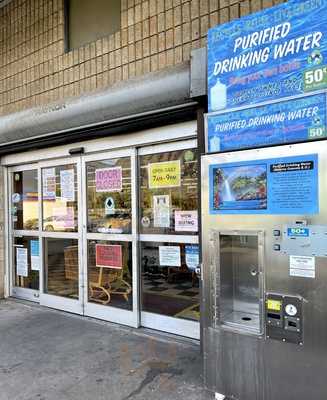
x=63, y=218
x=161, y=211
x=186, y=221
x=49, y=183
x=21, y=261
x=303, y=266
x=169, y=256
x=67, y=185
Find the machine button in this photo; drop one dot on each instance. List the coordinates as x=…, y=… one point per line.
x=277, y=247
x=291, y=310
x=276, y=232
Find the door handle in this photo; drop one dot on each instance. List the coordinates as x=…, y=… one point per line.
x=254, y=272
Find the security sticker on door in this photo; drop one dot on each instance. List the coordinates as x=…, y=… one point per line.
x=302, y=266
x=109, y=205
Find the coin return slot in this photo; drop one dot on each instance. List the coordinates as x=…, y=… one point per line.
x=292, y=324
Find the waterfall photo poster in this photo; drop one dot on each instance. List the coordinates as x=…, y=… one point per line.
x=286, y=185
x=240, y=187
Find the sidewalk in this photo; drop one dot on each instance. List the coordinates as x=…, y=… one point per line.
x=49, y=355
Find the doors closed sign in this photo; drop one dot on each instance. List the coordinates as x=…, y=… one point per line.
x=109, y=179
x=109, y=256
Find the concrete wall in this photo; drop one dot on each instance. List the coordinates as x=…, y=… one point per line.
x=154, y=34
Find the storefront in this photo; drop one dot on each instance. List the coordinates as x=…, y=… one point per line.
x=112, y=232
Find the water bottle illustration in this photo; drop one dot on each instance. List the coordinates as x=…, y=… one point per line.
x=214, y=143
x=218, y=96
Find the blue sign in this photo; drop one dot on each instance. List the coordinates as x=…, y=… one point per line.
x=279, y=52
x=298, y=232
x=291, y=121
x=286, y=185
x=192, y=256
x=35, y=248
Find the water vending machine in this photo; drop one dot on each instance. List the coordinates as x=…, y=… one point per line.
x=264, y=238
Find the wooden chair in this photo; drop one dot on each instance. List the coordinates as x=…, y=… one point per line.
x=103, y=281
x=109, y=281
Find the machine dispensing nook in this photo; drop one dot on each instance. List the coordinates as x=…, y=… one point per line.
x=264, y=208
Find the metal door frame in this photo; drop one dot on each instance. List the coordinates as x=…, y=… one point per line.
x=107, y=312
x=49, y=300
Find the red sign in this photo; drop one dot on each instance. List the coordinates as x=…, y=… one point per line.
x=109, y=256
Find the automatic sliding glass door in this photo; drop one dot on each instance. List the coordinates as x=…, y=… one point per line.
x=169, y=250
x=61, y=235
x=110, y=247
x=87, y=232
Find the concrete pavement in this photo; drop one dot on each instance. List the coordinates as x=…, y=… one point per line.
x=50, y=355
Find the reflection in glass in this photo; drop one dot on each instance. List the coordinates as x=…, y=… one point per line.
x=110, y=273
x=109, y=196
x=170, y=285
x=24, y=200
x=59, y=199
x=169, y=193
x=26, y=262
x=61, y=267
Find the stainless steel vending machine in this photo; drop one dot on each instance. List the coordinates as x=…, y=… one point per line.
x=264, y=242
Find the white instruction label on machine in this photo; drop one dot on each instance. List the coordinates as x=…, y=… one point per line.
x=303, y=266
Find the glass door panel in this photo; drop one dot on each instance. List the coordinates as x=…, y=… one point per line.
x=61, y=272
x=59, y=199
x=171, y=290
x=169, y=193
x=109, y=198
x=26, y=264
x=110, y=273
x=24, y=200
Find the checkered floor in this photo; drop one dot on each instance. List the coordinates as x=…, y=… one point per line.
x=184, y=296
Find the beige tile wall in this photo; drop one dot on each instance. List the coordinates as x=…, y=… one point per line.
x=35, y=70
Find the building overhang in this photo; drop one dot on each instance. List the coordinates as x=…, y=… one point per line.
x=151, y=100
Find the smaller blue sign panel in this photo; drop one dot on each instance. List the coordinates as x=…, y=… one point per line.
x=297, y=120
x=287, y=185
x=298, y=232
x=35, y=252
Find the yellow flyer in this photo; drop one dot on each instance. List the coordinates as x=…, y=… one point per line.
x=165, y=174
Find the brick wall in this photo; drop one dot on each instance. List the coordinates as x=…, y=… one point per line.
x=35, y=70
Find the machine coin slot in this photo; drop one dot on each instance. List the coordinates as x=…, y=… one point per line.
x=274, y=316
x=284, y=319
